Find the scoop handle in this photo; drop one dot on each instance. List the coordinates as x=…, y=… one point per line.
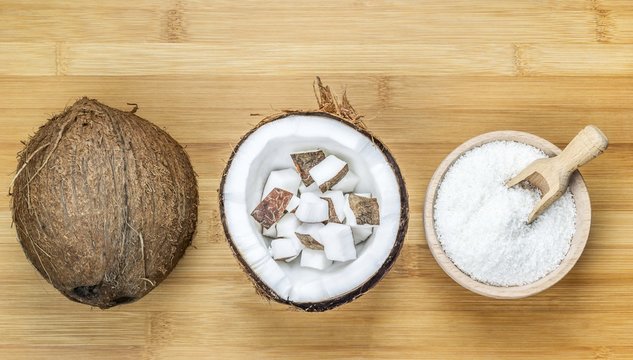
x=584, y=147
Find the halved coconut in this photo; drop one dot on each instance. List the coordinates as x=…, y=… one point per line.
x=336, y=129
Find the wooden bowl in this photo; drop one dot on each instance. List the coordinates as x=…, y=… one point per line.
x=578, y=241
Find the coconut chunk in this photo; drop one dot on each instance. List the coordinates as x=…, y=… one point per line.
x=348, y=183
x=336, y=202
x=313, y=188
x=362, y=209
x=329, y=172
x=361, y=233
x=286, y=179
x=271, y=232
x=338, y=242
x=272, y=208
x=331, y=211
x=285, y=248
x=308, y=235
x=309, y=242
x=312, y=209
x=315, y=259
x=293, y=203
x=287, y=225
x=306, y=160
x=289, y=260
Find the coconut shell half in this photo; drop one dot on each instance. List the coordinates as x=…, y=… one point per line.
x=242, y=184
x=104, y=203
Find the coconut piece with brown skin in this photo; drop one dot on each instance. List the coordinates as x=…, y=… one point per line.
x=306, y=160
x=336, y=205
x=347, y=183
x=335, y=126
x=286, y=179
x=104, y=203
x=307, y=234
x=338, y=242
x=272, y=208
x=328, y=172
x=331, y=211
x=312, y=209
x=362, y=210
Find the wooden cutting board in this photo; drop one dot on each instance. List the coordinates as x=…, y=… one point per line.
x=427, y=75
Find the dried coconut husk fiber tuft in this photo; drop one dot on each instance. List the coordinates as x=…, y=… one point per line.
x=341, y=111
x=104, y=203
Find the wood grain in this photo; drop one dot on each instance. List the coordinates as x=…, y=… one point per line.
x=427, y=75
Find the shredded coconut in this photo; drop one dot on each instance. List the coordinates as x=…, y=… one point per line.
x=482, y=225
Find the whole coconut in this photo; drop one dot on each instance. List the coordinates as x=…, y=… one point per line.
x=104, y=203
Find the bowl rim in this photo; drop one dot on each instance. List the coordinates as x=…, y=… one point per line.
x=579, y=239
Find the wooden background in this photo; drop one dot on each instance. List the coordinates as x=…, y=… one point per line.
x=428, y=75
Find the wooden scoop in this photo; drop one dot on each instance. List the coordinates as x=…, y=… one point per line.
x=551, y=175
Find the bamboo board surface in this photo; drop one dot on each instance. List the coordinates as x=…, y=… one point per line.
x=427, y=75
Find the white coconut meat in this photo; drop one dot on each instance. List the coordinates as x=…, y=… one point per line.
x=361, y=233
x=271, y=232
x=329, y=172
x=346, y=184
x=351, y=214
x=286, y=179
x=312, y=209
x=315, y=259
x=285, y=248
x=338, y=242
x=313, y=188
x=292, y=205
x=287, y=225
x=308, y=235
x=338, y=201
x=267, y=149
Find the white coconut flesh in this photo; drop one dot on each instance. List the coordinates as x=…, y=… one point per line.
x=312, y=208
x=267, y=149
x=338, y=201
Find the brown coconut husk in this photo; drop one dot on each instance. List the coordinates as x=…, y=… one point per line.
x=342, y=111
x=104, y=203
